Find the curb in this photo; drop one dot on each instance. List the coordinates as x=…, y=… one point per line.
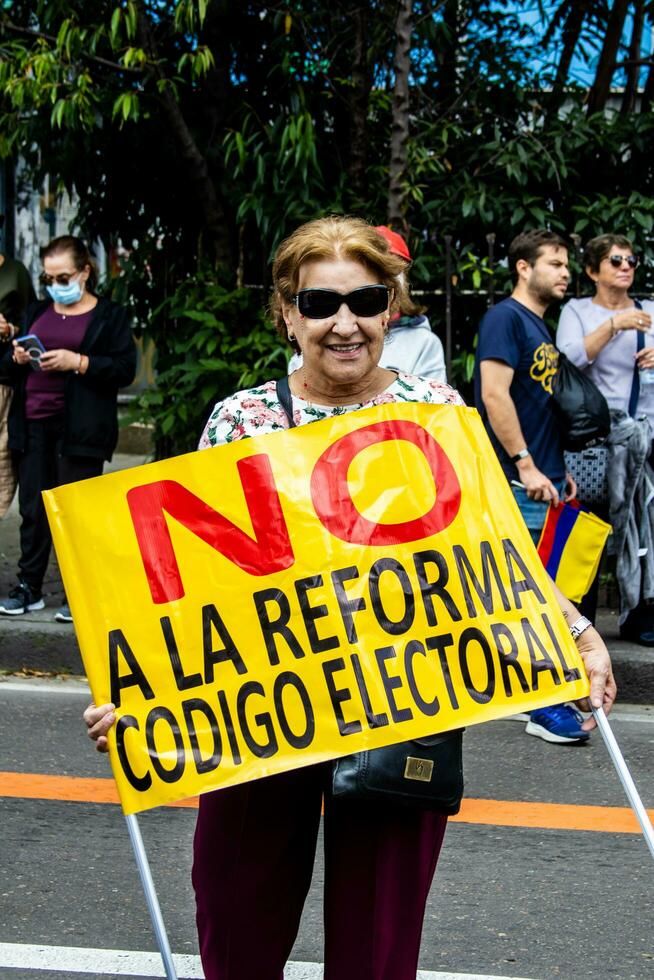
x=38, y=646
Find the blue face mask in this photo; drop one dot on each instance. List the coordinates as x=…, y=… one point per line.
x=66, y=295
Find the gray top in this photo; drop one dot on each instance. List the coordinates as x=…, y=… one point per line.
x=410, y=348
x=613, y=368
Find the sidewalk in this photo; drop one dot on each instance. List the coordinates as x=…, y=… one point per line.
x=36, y=642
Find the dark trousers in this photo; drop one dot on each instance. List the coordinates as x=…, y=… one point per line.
x=253, y=861
x=42, y=467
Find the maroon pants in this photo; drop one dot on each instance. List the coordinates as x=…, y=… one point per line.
x=253, y=861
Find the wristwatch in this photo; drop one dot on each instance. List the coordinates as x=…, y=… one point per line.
x=521, y=455
x=578, y=627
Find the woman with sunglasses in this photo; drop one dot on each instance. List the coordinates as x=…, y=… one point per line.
x=335, y=288
x=600, y=333
x=609, y=336
x=410, y=346
x=63, y=419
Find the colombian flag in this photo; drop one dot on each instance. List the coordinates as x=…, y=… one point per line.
x=571, y=546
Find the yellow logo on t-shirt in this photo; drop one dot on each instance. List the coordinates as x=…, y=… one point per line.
x=545, y=364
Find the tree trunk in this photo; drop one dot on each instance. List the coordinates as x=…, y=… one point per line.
x=199, y=178
x=446, y=54
x=400, y=115
x=633, y=69
x=601, y=88
x=648, y=92
x=362, y=84
x=572, y=28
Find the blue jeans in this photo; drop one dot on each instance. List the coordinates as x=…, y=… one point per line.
x=534, y=512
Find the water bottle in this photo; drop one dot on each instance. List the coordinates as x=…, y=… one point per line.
x=646, y=375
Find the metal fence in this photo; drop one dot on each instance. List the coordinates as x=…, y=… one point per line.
x=458, y=335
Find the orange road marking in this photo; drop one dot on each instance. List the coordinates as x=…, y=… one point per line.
x=551, y=816
x=507, y=813
x=71, y=789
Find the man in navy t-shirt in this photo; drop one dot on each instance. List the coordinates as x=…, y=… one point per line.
x=515, y=366
x=514, y=346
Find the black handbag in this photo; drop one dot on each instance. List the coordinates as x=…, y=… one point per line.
x=590, y=471
x=579, y=407
x=425, y=773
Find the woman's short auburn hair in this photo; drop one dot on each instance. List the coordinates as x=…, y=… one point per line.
x=597, y=249
x=326, y=239
x=79, y=253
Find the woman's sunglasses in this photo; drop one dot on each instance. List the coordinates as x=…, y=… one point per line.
x=617, y=260
x=318, y=304
x=62, y=279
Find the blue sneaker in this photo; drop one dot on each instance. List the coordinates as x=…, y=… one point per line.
x=21, y=600
x=558, y=723
x=63, y=615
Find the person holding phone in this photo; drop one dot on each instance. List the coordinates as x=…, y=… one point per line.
x=63, y=419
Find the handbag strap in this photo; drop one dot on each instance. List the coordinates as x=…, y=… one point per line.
x=635, y=382
x=285, y=399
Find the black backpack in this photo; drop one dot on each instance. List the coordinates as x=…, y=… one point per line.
x=579, y=407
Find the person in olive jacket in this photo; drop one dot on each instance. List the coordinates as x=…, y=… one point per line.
x=63, y=421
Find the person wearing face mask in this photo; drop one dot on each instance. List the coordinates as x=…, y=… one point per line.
x=63, y=419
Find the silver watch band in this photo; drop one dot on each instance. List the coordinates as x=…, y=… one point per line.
x=578, y=627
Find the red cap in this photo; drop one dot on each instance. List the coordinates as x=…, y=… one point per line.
x=396, y=243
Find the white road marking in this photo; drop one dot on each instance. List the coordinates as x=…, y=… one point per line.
x=128, y=963
x=38, y=685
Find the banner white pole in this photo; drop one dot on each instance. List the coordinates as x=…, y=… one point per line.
x=150, y=895
x=625, y=777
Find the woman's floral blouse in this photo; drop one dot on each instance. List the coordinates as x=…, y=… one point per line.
x=257, y=411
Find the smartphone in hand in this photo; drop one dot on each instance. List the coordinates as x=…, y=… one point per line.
x=31, y=343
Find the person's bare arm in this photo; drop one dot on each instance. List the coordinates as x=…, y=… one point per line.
x=628, y=320
x=593, y=652
x=496, y=378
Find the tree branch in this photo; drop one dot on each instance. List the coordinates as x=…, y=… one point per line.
x=96, y=59
x=400, y=115
x=196, y=163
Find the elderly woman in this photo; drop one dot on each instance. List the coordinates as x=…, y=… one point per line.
x=410, y=345
x=334, y=292
x=63, y=419
x=609, y=336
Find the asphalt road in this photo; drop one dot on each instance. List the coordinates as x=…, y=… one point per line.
x=529, y=901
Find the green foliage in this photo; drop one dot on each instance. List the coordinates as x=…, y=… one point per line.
x=218, y=341
x=275, y=172
x=198, y=133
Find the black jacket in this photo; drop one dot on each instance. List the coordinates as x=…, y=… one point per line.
x=90, y=408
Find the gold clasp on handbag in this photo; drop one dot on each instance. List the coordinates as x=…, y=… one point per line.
x=421, y=769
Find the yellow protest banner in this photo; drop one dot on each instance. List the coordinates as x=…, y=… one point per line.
x=306, y=594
